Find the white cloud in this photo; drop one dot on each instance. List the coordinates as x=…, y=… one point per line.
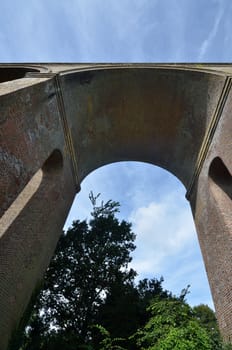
x=212, y=33
x=163, y=229
x=167, y=245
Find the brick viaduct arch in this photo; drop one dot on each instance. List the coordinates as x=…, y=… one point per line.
x=58, y=122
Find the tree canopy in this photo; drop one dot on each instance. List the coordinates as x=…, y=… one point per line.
x=172, y=326
x=90, y=300
x=89, y=259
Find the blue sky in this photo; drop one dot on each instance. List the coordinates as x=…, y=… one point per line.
x=130, y=31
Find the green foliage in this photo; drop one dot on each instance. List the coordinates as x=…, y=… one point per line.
x=206, y=316
x=135, y=300
x=90, y=258
x=207, y=319
x=107, y=343
x=172, y=326
x=226, y=346
x=89, y=300
x=190, y=337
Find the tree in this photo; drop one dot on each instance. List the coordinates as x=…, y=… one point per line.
x=172, y=326
x=90, y=301
x=208, y=321
x=125, y=306
x=206, y=316
x=90, y=257
x=107, y=342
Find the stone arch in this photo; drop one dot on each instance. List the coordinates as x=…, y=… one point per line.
x=175, y=116
x=141, y=114
x=167, y=116
x=112, y=181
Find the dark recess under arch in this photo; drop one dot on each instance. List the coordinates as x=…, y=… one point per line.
x=221, y=176
x=13, y=73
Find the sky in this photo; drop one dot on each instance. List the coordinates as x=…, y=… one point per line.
x=130, y=31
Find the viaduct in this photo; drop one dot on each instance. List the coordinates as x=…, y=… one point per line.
x=59, y=122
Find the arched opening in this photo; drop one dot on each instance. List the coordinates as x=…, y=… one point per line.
x=54, y=162
x=13, y=73
x=220, y=177
x=154, y=201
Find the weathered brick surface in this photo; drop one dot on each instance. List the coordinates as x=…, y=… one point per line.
x=26, y=247
x=172, y=116
x=29, y=130
x=213, y=218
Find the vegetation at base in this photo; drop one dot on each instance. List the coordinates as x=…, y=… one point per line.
x=90, y=300
x=172, y=326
